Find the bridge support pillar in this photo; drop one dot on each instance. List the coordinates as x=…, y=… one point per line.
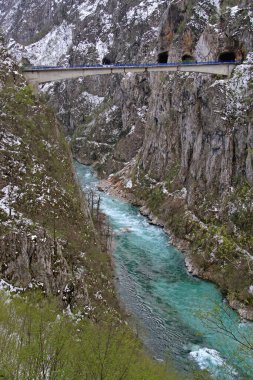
x=35, y=86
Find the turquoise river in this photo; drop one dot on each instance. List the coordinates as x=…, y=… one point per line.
x=178, y=317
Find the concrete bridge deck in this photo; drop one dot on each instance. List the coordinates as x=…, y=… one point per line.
x=43, y=74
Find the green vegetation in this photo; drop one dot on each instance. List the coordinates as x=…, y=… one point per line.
x=43, y=173
x=213, y=18
x=242, y=215
x=153, y=196
x=36, y=165
x=38, y=342
x=171, y=176
x=169, y=209
x=218, y=251
x=144, y=189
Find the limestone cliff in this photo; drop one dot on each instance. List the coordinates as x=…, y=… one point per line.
x=194, y=169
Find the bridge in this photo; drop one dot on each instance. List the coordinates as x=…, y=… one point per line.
x=44, y=74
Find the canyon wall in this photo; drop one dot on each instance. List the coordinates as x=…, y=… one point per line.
x=179, y=144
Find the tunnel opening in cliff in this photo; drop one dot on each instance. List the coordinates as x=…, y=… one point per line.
x=106, y=61
x=163, y=57
x=227, y=56
x=188, y=58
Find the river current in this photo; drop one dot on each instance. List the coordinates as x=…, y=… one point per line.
x=178, y=317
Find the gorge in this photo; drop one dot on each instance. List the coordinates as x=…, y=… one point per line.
x=178, y=145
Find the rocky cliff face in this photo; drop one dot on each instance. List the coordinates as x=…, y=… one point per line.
x=88, y=32
x=47, y=239
x=194, y=168
x=182, y=143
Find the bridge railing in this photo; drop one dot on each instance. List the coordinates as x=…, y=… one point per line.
x=129, y=65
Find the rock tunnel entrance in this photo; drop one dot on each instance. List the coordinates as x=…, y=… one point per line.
x=227, y=56
x=106, y=61
x=188, y=58
x=163, y=57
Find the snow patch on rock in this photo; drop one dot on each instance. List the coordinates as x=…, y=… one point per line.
x=49, y=50
x=239, y=87
x=129, y=184
x=102, y=49
x=9, y=288
x=234, y=10
x=88, y=8
x=94, y=100
x=144, y=10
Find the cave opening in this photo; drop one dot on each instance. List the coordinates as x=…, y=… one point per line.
x=227, y=56
x=188, y=58
x=163, y=57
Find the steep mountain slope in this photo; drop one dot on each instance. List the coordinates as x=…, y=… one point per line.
x=48, y=242
x=47, y=238
x=86, y=32
x=183, y=141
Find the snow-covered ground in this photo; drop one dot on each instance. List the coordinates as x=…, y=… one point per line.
x=143, y=10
